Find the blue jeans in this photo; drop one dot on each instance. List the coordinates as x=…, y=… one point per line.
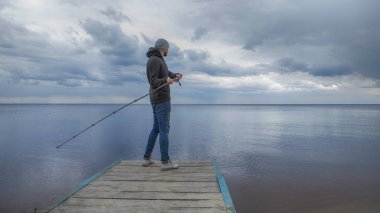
x=161, y=125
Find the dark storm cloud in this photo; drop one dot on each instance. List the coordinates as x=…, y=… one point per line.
x=196, y=55
x=27, y=55
x=290, y=65
x=346, y=31
x=199, y=61
x=115, y=15
x=199, y=32
x=16, y=39
x=324, y=70
x=116, y=46
x=69, y=82
x=33, y=57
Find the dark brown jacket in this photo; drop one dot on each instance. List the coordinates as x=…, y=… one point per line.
x=157, y=73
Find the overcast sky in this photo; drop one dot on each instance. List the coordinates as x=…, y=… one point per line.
x=233, y=52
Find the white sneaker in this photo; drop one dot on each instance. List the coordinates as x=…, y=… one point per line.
x=168, y=166
x=147, y=162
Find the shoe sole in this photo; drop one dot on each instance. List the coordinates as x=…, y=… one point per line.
x=146, y=165
x=165, y=169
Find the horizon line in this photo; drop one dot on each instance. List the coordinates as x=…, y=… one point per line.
x=193, y=104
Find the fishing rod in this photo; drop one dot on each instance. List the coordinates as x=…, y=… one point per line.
x=105, y=117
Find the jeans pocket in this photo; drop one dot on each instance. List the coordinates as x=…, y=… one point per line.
x=166, y=106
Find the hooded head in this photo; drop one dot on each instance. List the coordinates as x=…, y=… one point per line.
x=161, y=44
x=160, y=49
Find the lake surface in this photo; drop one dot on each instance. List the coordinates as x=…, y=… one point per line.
x=275, y=158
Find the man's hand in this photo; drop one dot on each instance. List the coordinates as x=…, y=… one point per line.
x=169, y=80
x=178, y=75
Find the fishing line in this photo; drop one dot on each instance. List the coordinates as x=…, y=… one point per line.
x=105, y=117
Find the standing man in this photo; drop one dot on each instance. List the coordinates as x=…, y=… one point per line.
x=158, y=74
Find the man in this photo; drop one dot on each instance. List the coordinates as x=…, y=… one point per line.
x=158, y=74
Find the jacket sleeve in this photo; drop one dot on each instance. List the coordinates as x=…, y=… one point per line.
x=153, y=72
x=171, y=74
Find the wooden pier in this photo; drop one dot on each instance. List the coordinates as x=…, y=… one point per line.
x=126, y=186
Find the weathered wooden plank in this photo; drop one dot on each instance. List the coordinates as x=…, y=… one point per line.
x=158, y=163
x=133, y=186
x=177, y=161
x=155, y=186
x=147, y=195
x=159, y=174
x=109, y=203
x=136, y=169
x=179, y=172
x=180, y=189
x=74, y=209
x=124, y=184
x=159, y=178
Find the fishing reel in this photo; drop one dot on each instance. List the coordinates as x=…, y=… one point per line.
x=177, y=81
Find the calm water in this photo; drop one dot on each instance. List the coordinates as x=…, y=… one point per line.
x=275, y=158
